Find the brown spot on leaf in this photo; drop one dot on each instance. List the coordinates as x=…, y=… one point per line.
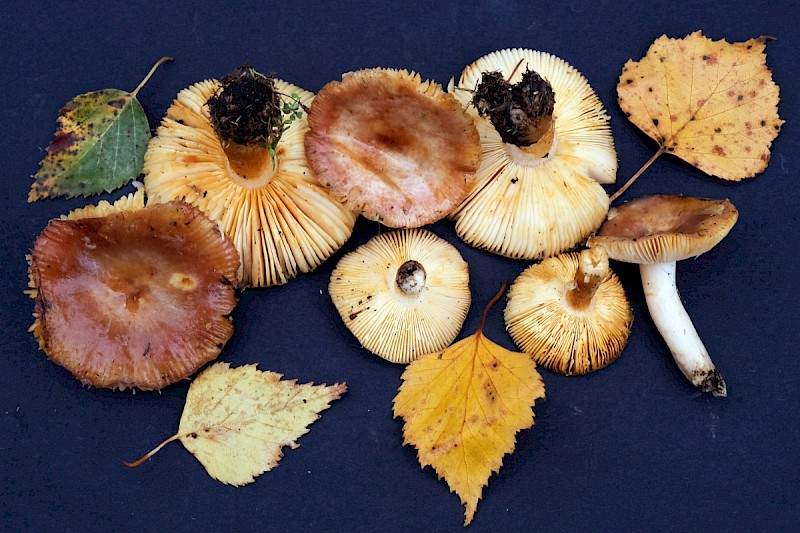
x=63, y=141
x=67, y=108
x=118, y=103
x=718, y=150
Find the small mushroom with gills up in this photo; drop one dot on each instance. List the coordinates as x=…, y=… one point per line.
x=403, y=294
x=570, y=312
x=655, y=232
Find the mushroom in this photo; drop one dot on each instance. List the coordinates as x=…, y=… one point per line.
x=401, y=151
x=138, y=298
x=546, y=145
x=570, y=312
x=403, y=294
x=655, y=232
x=262, y=194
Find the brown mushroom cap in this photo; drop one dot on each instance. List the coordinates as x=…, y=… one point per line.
x=560, y=336
x=138, y=298
x=399, y=150
x=281, y=220
x=664, y=228
x=537, y=201
x=402, y=294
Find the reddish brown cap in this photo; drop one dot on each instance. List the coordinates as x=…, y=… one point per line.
x=138, y=298
x=399, y=150
x=664, y=228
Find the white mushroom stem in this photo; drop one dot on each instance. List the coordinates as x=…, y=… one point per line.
x=675, y=326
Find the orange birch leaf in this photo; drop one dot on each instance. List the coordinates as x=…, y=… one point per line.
x=463, y=407
x=711, y=103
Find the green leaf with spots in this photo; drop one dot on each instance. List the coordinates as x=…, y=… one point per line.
x=99, y=145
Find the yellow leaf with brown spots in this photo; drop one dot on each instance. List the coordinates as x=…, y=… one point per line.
x=237, y=420
x=463, y=407
x=711, y=103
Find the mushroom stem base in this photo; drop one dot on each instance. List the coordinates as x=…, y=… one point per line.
x=675, y=326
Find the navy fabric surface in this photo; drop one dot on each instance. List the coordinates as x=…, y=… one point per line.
x=630, y=448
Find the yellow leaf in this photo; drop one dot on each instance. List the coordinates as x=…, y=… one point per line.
x=711, y=103
x=237, y=420
x=463, y=407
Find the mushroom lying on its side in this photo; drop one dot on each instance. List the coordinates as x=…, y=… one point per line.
x=547, y=147
x=570, y=312
x=403, y=294
x=655, y=232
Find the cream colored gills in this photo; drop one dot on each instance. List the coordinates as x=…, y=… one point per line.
x=536, y=201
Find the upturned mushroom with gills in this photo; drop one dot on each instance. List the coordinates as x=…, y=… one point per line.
x=547, y=148
x=234, y=148
x=655, y=232
x=403, y=294
x=570, y=312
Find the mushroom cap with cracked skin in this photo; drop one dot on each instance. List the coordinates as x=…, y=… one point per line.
x=401, y=151
x=138, y=298
x=559, y=337
x=534, y=202
x=664, y=228
x=281, y=220
x=402, y=294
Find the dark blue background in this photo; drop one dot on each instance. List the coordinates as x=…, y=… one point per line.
x=632, y=447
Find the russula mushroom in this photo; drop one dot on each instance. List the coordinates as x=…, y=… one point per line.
x=569, y=312
x=547, y=147
x=256, y=184
x=403, y=294
x=655, y=232
x=401, y=151
x=138, y=298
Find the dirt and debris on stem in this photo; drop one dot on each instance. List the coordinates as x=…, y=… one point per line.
x=522, y=113
x=246, y=108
